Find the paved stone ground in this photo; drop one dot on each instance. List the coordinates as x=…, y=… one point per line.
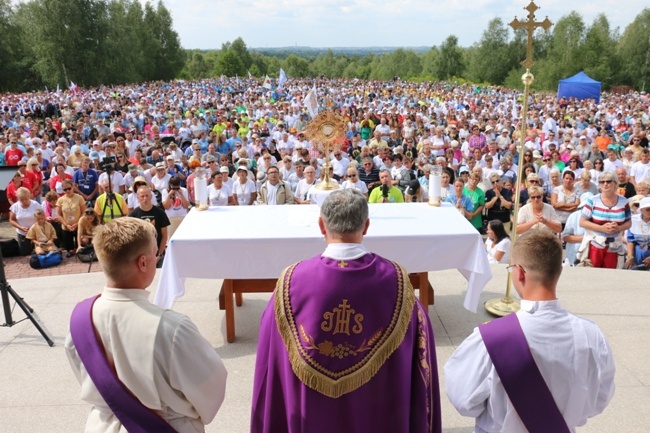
x=18, y=267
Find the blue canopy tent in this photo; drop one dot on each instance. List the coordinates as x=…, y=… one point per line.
x=579, y=86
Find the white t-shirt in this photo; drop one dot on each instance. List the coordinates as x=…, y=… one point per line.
x=161, y=184
x=243, y=192
x=358, y=185
x=640, y=171
x=25, y=217
x=503, y=246
x=132, y=200
x=272, y=193
x=176, y=209
x=117, y=180
x=219, y=197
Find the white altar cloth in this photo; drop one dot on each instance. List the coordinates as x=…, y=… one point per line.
x=258, y=242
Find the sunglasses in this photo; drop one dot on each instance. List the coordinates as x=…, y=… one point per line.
x=66, y=189
x=545, y=160
x=605, y=181
x=535, y=197
x=533, y=181
x=352, y=175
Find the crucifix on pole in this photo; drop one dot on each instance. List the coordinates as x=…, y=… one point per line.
x=530, y=25
x=506, y=305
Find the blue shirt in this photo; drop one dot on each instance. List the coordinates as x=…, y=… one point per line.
x=86, y=182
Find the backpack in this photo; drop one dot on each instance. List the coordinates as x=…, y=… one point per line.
x=87, y=254
x=43, y=261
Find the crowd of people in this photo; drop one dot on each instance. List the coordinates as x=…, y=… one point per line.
x=83, y=155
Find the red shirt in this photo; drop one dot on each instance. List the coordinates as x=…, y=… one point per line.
x=13, y=156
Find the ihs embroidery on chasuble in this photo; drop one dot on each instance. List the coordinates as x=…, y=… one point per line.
x=336, y=351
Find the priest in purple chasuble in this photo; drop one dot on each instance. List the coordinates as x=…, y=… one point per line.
x=344, y=344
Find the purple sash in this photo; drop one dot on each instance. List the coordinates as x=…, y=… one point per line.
x=506, y=344
x=134, y=416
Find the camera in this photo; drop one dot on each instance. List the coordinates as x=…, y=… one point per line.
x=384, y=190
x=108, y=163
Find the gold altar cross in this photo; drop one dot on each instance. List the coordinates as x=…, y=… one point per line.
x=530, y=25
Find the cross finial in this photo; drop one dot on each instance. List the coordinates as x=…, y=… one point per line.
x=530, y=25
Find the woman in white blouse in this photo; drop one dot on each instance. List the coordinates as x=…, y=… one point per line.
x=497, y=244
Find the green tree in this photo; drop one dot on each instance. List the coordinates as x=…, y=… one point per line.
x=492, y=59
x=599, y=51
x=450, y=62
x=295, y=66
x=634, y=52
x=67, y=39
x=565, y=56
x=229, y=64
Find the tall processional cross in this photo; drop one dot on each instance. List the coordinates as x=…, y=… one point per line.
x=530, y=25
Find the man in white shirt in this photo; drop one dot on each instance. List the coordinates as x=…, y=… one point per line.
x=571, y=353
x=612, y=162
x=158, y=355
x=640, y=170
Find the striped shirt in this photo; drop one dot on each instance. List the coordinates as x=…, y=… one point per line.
x=597, y=212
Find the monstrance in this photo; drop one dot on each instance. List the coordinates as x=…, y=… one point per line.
x=327, y=131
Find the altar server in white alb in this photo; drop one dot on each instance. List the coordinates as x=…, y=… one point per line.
x=570, y=375
x=174, y=379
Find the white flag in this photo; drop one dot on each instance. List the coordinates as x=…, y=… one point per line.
x=267, y=83
x=282, y=79
x=311, y=102
x=514, y=106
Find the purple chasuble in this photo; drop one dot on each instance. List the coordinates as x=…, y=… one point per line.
x=345, y=346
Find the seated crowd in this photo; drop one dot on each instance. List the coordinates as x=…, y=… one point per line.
x=86, y=157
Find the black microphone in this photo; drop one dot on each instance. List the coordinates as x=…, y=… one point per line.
x=384, y=190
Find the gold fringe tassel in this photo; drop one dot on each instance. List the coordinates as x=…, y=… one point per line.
x=316, y=380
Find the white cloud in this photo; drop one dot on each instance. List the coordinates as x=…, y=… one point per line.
x=360, y=23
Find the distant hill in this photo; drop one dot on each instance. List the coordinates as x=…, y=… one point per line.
x=350, y=51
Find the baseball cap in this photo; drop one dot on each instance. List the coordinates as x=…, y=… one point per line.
x=224, y=169
x=413, y=187
x=241, y=168
x=160, y=165
x=644, y=203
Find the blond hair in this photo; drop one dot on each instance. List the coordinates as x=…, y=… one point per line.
x=539, y=252
x=119, y=242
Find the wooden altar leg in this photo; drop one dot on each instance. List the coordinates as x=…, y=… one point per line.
x=423, y=285
x=420, y=281
x=230, y=310
x=239, y=299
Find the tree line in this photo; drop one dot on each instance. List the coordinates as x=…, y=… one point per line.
x=86, y=42
x=94, y=42
x=570, y=46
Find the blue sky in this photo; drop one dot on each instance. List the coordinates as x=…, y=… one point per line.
x=361, y=23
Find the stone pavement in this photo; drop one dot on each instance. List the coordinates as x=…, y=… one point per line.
x=39, y=393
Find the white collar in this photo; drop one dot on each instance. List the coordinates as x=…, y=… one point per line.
x=342, y=251
x=532, y=306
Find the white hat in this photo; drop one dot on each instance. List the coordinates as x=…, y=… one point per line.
x=536, y=154
x=644, y=203
x=583, y=199
x=454, y=143
x=223, y=169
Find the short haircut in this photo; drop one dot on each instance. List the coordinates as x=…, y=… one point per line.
x=39, y=212
x=119, y=242
x=569, y=173
x=344, y=212
x=174, y=181
x=539, y=252
x=606, y=175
